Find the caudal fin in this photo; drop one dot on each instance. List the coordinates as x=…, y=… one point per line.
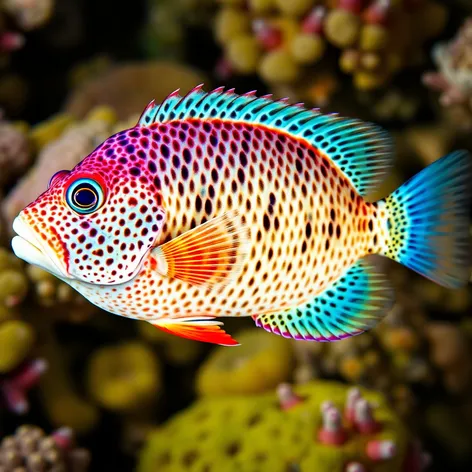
x=429, y=221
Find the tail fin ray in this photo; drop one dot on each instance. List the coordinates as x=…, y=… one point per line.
x=429, y=221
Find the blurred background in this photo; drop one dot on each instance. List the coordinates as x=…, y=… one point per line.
x=82, y=390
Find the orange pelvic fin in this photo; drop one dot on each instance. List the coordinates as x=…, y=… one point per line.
x=204, y=329
x=209, y=254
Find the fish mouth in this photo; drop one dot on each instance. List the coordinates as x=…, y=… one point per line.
x=26, y=246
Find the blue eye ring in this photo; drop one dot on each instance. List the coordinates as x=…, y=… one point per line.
x=85, y=196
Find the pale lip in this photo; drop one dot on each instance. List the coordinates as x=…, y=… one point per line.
x=26, y=246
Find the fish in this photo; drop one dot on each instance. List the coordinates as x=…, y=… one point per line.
x=218, y=204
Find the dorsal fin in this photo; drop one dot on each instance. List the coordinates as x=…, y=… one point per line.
x=361, y=150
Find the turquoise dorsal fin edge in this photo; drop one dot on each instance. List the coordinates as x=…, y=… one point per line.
x=362, y=151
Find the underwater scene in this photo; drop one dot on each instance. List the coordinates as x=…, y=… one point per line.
x=274, y=196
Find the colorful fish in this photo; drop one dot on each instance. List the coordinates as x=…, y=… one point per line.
x=217, y=204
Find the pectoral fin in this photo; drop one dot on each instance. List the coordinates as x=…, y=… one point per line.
x=209, y=254
x=198, y=329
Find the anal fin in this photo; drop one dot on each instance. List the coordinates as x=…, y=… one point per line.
x=204, y=329
x=352, y=305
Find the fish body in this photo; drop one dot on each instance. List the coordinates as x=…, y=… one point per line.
x=217, y=204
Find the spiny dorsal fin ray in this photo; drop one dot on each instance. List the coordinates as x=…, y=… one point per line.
x=361, y=150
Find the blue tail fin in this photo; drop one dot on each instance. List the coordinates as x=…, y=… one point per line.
x=429, y=221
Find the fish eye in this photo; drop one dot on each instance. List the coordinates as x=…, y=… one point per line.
x=57, y=176
x=85, y=196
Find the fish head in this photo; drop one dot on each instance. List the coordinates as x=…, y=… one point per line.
x=96, y=223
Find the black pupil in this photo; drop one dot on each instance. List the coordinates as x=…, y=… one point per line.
x=85, y=196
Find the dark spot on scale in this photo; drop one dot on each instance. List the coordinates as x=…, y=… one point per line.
x=308, y=230
x=165, y=151
x=135, y=171
x=198, y=203
x=152, y=167
x=187, y=155
x=266, y=221
x=338, y=231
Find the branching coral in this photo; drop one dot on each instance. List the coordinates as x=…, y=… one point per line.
x=15, y=385
x=454, y=77
x=283, y=40
x=31, y=450
x=320, y=426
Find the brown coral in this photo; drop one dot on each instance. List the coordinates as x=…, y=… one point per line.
x=29, y=14
x=128, y=88
x=15, y=152
x=64, y=153
x=30, y=449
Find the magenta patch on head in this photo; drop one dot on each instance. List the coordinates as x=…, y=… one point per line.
x=107, y=245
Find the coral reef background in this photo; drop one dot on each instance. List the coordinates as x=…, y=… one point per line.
x=82, y=390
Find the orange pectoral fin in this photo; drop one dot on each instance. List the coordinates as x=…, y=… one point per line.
x=209, y=254
x=205, y=330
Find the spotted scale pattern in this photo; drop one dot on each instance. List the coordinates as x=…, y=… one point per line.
x=296, y=177
x=308, y=224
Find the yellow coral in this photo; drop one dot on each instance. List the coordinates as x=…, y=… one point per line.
x=244, y=53
x=342, y=27
x=261, y=6
x=307, y=48
x=294, y=7
x=259, y=364
x=13, y=287
x=104, y=114
x=230, y=23
x=123, y=377
x=251, y=433
x=373, y=37
x=278, y=66
x=50, y=130
x=16, y=340
x=367, y=80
